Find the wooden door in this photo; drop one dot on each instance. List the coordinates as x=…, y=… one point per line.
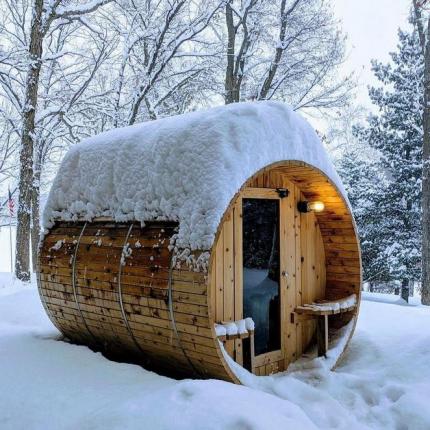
x=275, y=339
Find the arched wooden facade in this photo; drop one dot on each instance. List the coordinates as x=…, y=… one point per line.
x=112, y=286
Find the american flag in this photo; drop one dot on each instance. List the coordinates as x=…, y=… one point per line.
x=11, y=204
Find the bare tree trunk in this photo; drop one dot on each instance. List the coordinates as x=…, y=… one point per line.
x=231, y=89
x=35, y=213
x=267, y=85
x=405, y=290
x=425, y=46
x=22, y=263
x=426, y=180
x=236, y=60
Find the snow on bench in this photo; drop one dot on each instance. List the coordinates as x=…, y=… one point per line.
x=321, y=310
x=235, y=329
x=328, y=307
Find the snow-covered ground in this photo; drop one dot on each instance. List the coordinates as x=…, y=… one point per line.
x=383, y=382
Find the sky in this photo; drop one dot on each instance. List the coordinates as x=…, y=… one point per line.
x=371, y=27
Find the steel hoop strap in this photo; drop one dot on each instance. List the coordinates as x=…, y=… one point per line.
x=121, y=304
x=39, y=288
x=75, y=254
x=172, y=318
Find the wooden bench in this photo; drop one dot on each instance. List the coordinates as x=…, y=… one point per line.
x=321, y=310
x=223, y=338
x=248, y=345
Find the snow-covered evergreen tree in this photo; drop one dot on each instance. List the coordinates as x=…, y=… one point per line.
x=366, y=185
x=395, y=132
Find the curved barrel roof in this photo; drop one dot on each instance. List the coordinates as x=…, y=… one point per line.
x=185, y=168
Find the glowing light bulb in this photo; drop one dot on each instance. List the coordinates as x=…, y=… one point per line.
x=316, y=206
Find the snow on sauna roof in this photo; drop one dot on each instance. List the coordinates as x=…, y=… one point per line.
x=184, y=168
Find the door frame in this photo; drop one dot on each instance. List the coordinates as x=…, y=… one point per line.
x=287, y=266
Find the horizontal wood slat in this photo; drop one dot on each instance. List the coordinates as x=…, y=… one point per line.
x=144, y=294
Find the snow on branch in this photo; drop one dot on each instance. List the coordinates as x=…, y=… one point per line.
x=57, y=11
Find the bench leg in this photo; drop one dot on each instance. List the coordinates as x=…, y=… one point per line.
x=252, y=351
x=248, y=353
x=322, y=335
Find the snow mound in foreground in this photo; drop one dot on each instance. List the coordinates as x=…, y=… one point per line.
x=382, y=384
x=184, y=168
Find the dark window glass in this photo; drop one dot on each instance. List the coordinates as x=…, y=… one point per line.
x=261, y=292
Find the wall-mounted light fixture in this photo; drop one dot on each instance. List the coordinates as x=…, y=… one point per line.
x=282, y=192
x=305, y=206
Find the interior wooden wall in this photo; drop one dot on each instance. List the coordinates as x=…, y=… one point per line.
x=338, y=230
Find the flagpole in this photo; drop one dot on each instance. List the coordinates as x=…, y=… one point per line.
x=10, y=241
x=10, y=205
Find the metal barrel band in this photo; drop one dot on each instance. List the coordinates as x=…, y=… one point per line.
x=39, y=288
x=75, y=254
x=172, y=318
x=121, y=304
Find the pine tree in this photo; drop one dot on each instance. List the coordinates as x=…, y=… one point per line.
x=365, y=185
x=421, y=20
x=396, y=133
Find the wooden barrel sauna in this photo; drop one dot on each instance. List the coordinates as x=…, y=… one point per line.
x=121, y=288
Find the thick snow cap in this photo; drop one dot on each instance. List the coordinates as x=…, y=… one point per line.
x=184, y=168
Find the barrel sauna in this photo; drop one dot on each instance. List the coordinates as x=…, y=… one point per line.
x=284, y=254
